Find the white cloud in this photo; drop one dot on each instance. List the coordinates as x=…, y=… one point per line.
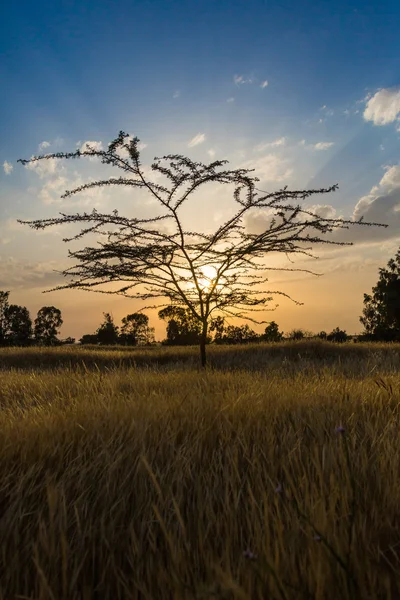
x=43, y=145
x=323, y=145
x=318, y=146
x=89, y=145
x=198, y=139
x=327, y=111
x=231, y=99
x=45, y=167
x=384, y=107
x=269, y=168
x=278, y=142
x=7, y=167
x=177, y=93
x=264, y=84
x=381, y=205
x=211, y=152
x=53, y=189
x=325, y=211
x=240, y=80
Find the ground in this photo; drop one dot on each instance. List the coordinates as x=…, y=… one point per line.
x=135, y=474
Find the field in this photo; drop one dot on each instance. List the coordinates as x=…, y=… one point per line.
x=275, y=474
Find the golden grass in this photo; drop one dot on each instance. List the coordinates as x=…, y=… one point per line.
x=120, y=482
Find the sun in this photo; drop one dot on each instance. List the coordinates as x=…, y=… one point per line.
x=208, y=274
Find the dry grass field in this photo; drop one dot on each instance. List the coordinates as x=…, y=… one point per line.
x=132, y=474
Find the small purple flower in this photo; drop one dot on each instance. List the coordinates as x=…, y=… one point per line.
x=249, y=555
x=317, y=538
x=341, y=430
x=279, y=489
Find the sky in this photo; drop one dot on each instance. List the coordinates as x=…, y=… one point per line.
x=306, y=93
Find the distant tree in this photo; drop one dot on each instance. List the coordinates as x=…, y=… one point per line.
x=18, y=326
x=183, y=328
x=172, y=265
x=67, y=341
x=337, y=335
x=107, y=333
x=47, y=325
x=239, y=335
x=272, y=333
x=217, y=325
x=296, y=334
x=4, y=296
x=89, y=338
x=381, y=313
x=135, y=330
x=322, y=335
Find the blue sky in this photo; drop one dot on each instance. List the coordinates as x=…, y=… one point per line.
x=305, y=92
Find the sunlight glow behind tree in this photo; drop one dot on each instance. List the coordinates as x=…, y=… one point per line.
x=157, y=259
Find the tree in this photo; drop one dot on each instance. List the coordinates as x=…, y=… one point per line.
x=107, y=333
x=183, y=328
x=322, y=335
x=159, y=260
x=239, y=335
x=272, y=333
x=89, y=338
x=381, y=313
x=218, y=325
x=47, y=325
x=337, y=335
x=135, y=330
x=297, y=334
x=67, y=341
x=18, y=326
x=3, y=319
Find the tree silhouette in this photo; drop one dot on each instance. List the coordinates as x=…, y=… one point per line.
x=3, y=318
x=18, y=326
x=337, y=335
x=381, y=313
x=272, y=333
x=47, y=325
x=183, y=328
x=135, y=330
x=107, y=333
x=171, y=266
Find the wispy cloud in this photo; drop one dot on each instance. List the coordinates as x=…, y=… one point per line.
x=241, y=80
x=43, y=145
x=317, y=146
x=329, y=112
x=278, y=142
x=89, y=145
x=269, y=167
x=211, y=152
x=231, y=99
x=7, y=167
x=323, y=145
x=264, y=84
x=44, y=168
x=177, y=93
x=383, y=107
x=198, y=139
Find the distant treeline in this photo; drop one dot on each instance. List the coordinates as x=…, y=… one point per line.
x=18, y=329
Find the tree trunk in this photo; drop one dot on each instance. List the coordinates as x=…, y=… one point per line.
x=203, y=341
